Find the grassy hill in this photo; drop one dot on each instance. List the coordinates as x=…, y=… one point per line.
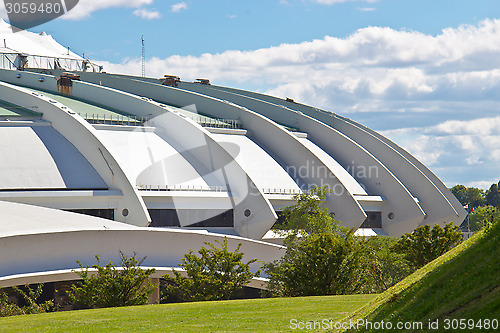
x=257, y=315
x=464, y=283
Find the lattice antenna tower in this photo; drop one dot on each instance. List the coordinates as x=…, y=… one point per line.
x=143, y=57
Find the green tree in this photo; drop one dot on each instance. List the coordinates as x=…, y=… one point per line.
x=318, y=264
x=475, y=197
x=321, y=258
x=308, y=214
x=425, y=244
x=483, y=216
x=112, y=287
x=460, y=192
x=493, y=195
x=385, y=266
x=30, y=296
x=472, y=196
x=216, y=274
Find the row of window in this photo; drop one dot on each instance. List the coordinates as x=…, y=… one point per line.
x=204, y=218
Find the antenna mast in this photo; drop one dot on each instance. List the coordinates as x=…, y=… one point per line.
x=143, y=57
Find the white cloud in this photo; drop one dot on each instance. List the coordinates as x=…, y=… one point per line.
x=147, y=14
x=371, y=68
x=442, y=92
x=178, y=7
x=366, y=9
x=86, y=7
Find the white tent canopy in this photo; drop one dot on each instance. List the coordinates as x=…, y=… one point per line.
x=36, y=50
x=32, y=43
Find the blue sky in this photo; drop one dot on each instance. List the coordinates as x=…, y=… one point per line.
x=424, y=73
x=215, y=26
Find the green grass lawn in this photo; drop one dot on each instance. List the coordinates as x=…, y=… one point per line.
x=258, y=315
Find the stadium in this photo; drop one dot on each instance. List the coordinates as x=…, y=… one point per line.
x=98, y=163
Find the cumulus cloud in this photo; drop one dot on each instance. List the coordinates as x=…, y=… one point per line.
x=86, y=7
x=456, y=148
x=178, y=7
x=441, y=92
x=147, y=14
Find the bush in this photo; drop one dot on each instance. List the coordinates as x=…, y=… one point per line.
x=318, y=264
x=216, y=274
x=112, y=287
x=308, y=215
x=425, y=244
x=484, y=216
x=30, y=296
x=384, y=267
x=321, y=257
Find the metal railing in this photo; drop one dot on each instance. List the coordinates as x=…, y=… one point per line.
x=102, y=119
x=188, y=188
x=281, y=191
x=17, y=61
x=217, y=123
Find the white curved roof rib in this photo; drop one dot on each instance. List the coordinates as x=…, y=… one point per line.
x=83, y=137
x=268, y=133
x=405, y=212
x=437, y=201
x=360, y=132
x=253, y=212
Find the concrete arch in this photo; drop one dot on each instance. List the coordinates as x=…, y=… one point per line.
x=254, y=215
x=273, y=136
x=434, y=197
x=83, y=136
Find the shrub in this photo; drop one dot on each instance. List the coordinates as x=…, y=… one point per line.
x=484, y=216
x=321, y=257
x=318, y=264
x=425, y=244
x=216, y=274
x=30, y=296
x=384, y=267
x=112, y=287
x=308, y=215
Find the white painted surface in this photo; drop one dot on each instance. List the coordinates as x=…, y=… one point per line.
x=262, y=168
x=42, y=240
x=150, y=161
x=131, y=208
x=38, y=157
x=342, y=174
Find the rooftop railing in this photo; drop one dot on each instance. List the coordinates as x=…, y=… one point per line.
x=217, y=123
x=193, y=188
x=22, y=61
x=281, y=191
x=189, y=188
x=102, y=119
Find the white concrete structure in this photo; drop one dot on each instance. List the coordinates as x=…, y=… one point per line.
x=171, y=164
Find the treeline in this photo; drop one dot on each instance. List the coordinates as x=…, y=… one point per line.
x=483, y=206
x=475, y=197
